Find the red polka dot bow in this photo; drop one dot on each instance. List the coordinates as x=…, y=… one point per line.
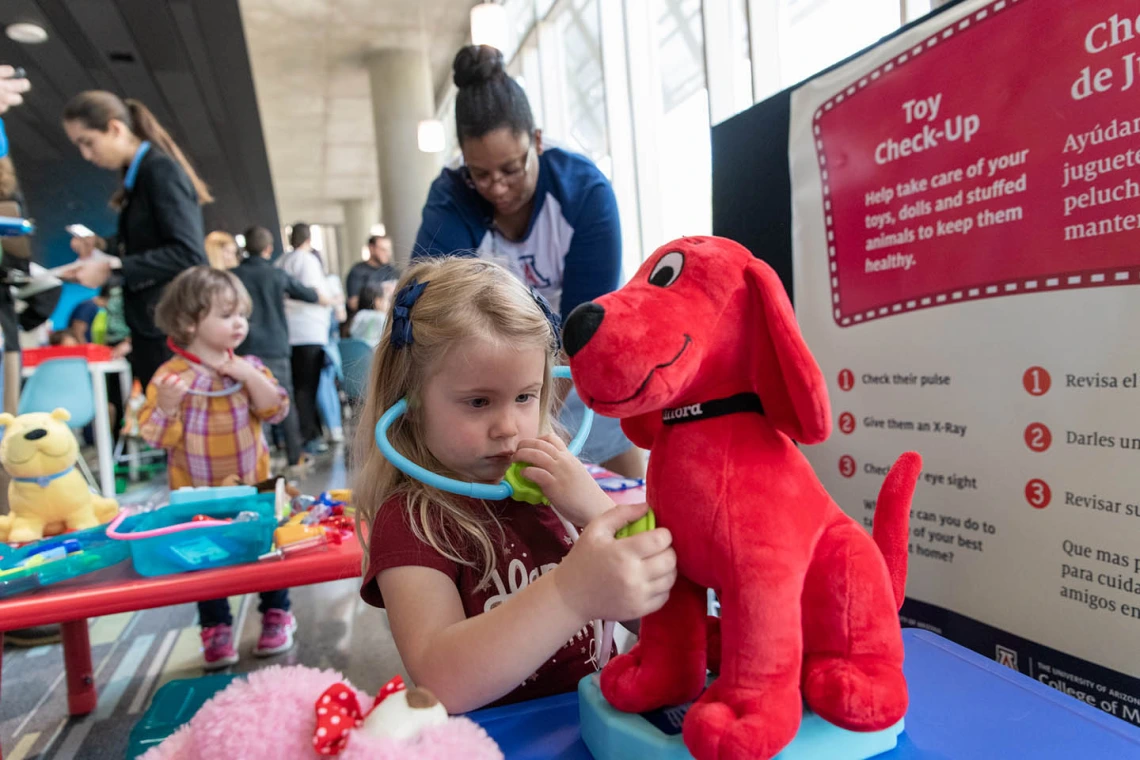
x=338, y=712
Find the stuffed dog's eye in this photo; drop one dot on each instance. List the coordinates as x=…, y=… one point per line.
x=668, y=269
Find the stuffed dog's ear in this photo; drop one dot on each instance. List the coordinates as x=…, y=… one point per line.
x=6, y=419
x=784, y=373
x=61, y=414
x=642, y=429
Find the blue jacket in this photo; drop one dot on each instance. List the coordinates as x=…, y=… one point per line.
x=571, y=252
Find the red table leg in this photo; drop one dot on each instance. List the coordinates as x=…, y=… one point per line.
x=81, y=694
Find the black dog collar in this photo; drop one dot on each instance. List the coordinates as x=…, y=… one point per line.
x=741, y=402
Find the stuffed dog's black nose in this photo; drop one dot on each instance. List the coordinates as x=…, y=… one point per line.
x=581, y=325
x=35, y=435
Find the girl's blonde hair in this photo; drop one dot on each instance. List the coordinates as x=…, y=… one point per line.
x=188, y=299
x=465, y=298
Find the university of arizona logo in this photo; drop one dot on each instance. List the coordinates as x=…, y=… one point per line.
x=534, y=278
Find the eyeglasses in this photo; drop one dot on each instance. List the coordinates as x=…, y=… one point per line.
x=510, y=176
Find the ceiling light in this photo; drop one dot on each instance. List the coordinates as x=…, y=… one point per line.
x=430, y=136
x=26, y=32
x=489, y=25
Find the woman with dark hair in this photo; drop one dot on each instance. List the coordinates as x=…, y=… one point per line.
x=160, y=217
x=547, y=214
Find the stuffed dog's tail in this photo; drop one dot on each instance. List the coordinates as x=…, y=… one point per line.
x=891, y=530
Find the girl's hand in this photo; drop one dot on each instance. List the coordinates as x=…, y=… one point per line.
x=563, y=479
x=171, y=390
x=617, y=579
x=237, y=368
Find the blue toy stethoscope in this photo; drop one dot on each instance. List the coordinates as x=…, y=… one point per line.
x=513, y=486
x=509, y=487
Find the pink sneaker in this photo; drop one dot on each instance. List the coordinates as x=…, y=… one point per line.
x=277, y=627
x=218, y=647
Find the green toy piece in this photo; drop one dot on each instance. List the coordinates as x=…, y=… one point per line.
x=646, y=522
x=524, y=490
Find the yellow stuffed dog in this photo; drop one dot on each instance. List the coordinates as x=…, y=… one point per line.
x=47, y=495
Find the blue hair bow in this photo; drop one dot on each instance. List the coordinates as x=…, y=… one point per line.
x=554, y=320
x=402, y=313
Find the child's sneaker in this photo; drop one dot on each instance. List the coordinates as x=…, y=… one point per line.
x=218, y=647
x=277, y=627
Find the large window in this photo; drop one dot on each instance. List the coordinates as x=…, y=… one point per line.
x=684, y=147
x=585, y=87
x=817, y=33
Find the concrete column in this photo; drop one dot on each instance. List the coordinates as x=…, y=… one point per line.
x=401, y=98
x=357, y=224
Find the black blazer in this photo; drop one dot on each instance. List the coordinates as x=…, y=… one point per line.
x=160, y=235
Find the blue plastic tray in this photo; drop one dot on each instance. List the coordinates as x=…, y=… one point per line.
x=614, y=735
x=204, y=548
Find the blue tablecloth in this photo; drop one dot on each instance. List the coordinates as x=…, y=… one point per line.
x=961, y=706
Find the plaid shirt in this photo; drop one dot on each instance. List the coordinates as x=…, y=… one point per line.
x=211, y=437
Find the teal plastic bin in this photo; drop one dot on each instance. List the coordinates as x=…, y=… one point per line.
x=97, y=552
x=203, y=548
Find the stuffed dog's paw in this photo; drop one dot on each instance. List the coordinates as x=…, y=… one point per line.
x=631, y=685
x=742, y=724
x=863, y=695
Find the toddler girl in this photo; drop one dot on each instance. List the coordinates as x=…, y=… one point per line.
x=206, y=407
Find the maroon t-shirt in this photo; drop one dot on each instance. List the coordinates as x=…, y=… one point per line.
x=533, y=543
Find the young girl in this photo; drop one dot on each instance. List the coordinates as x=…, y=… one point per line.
x=489, y=601
x=206, y=407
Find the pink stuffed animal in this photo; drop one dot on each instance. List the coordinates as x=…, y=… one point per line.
x=276, y=714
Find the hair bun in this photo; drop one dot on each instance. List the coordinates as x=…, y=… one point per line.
x=476, y=64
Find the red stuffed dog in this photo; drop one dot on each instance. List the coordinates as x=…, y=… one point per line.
x=701, y=357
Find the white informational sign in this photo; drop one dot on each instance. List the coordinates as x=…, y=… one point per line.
x=966, y=202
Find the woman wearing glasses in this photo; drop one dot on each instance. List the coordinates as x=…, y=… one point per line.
x=549, y=215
